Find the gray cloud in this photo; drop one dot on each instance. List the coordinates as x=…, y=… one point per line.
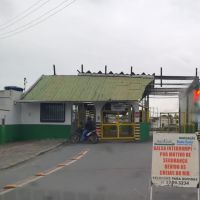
x=6, y=9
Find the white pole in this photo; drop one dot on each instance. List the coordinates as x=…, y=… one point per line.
x=151, y=193
x=198, y=193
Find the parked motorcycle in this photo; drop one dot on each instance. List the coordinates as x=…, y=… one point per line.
x=91, y=137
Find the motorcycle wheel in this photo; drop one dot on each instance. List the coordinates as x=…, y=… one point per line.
x=75, y=139
x=94, y=139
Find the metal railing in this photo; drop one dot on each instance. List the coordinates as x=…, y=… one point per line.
x=118, y=131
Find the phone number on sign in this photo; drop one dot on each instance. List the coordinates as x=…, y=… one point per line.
x=177, y=182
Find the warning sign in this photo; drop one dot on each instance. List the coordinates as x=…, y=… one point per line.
x=175, y=160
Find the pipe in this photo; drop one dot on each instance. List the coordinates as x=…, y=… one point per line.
x=54, y=70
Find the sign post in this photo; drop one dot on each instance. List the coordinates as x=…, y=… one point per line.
x=175, y=161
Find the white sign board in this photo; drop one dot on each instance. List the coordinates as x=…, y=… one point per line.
x=175, y=160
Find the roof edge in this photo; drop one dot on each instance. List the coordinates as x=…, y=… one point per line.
x=117, y=75
x=49, y=101
x=29, y=90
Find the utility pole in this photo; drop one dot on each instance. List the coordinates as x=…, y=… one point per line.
x=25, y=82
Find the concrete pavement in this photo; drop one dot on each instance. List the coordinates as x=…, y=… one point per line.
x=17, y=152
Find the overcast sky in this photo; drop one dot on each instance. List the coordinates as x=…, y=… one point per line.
x=145, y=34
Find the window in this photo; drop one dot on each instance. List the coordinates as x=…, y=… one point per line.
x=52, y=112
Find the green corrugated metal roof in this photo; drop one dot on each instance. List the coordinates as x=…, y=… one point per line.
x=87, y=88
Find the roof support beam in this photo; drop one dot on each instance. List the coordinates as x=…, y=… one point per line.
x=187, y=84
x=163, y=94
x=175, y=77
x=167, y=89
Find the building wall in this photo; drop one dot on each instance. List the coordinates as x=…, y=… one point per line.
x=22, y=120
x=31, y=114
x=9, y=110
x=32, y=128
x=10, y=113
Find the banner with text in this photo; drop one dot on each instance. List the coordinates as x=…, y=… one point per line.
x=175, y=160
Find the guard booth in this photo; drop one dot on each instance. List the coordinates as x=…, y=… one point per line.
x=111, y=100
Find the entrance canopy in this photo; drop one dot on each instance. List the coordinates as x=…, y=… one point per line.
x=87, y=88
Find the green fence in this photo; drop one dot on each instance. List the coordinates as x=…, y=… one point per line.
x=144, y=131
x=189, y=128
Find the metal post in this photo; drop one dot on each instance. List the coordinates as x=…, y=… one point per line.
x=54, y=70
x=148, y=110
x=82, y=68
x=168, y=122
x=179, y=115
x=184, y=122
x=105, y=69
x=151, y=192
x=196, y=72
x=25, y=82
x=198, y=193
x=161, y=76
x=187, y=113
x=160, y=122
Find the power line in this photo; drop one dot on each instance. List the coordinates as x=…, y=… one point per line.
x=20, y=15
x=37, y=20
x=24, y=16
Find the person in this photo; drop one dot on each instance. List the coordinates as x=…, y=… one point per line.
x=88, y=127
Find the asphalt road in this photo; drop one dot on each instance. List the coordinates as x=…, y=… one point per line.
x=105, y=171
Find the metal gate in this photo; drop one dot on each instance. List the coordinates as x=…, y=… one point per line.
x=118, y=131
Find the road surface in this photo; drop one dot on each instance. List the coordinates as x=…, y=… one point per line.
x=105, y=171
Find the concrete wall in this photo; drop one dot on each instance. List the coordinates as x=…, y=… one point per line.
x=137, y=112
x=32, y=128
x=31, y=114
x=99, y=106
x=9, y=110
x=22, y=120
x=10, y=116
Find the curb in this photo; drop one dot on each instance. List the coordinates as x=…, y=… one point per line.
x=33, y=156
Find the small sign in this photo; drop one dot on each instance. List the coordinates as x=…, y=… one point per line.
x=175, y=160
x=119, y=107
x=137, y=114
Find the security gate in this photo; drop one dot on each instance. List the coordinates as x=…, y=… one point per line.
x=118, y=131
